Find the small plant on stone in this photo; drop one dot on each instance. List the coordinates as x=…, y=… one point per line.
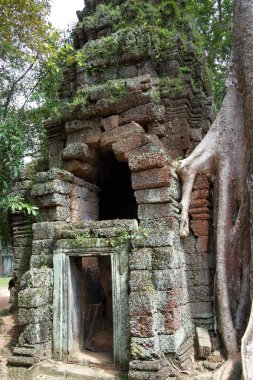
x=115, y=89
x=136, y=237
x=139, y=236
x=155, y=95
x=171, y=86
x=81, y=98
x=185, y=69
x=125, y=236
x=104, y=14
x=52, y=308
x=110, y=242
x=81, y=238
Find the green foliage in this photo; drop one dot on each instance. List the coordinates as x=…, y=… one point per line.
x=11, y=148
x=80, y=239
x=25, y=36
x=27, y=42
x=111, y=242
x=14, y=203
x=115, y=89
x=144, y=13
x=218, y=85
x=134, y=14
x=23, y=25
x=146, y=40
x=82, y=97
x=105, y=14
x=136, y=237
x=208, y=80
x=162, y=41
x=185, y=69
x=211, y=23
x=125, y=236
x=98, y=52
x=17, y=203
x=171, y=86
x=32, y=58
x=155, y=95
x=139, y=236
x=139, y=27
x=112, y=90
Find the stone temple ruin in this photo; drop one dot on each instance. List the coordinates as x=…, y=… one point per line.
x=109, y=203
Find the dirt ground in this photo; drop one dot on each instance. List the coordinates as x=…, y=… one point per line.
x=8, y=337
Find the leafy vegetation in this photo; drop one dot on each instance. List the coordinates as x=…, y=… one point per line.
x=136, y=237
x=112, y=90
x=208, y=22
x=80, y=239
x=32, y=58
x=211, y=23
x=171, y=86
x=131, y=14
x=132, y=23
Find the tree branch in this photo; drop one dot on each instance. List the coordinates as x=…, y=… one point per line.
x=220, y=10
x=32, y=90
x=14, y=84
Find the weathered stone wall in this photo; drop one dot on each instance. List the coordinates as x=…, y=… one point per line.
x=200, y=256
x=34, y=302
x=160, y=321
x=63, y=197
x=147, y=105
x=35, y=299
x=21, y=230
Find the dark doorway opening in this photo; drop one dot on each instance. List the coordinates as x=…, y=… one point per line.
x=117, y=199
x=97, y=304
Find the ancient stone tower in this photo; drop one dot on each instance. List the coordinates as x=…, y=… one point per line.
x=109, y=199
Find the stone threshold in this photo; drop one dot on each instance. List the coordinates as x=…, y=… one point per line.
x=57, y=370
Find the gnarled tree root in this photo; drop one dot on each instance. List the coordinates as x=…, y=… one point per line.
x=230, y=370
x=222, y=155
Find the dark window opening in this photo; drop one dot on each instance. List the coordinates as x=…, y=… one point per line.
x=117, y=199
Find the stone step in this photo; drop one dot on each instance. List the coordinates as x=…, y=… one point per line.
x=55, y=371
x=24, y=351
x=20, y=360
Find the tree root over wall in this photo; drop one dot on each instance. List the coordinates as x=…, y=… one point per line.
x=224, y=155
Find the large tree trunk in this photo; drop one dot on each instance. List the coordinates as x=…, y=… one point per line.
x=243, y=46
x=224, y=155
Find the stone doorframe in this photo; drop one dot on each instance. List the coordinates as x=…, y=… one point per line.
x=67, y=313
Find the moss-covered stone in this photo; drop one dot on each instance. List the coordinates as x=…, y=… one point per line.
x=34, y=315
x=54, y=186
x=53, y=174
x=37, y=278
x=34, y=297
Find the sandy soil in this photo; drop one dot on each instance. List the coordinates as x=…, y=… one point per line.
x=4, y=299
x=8, y=333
